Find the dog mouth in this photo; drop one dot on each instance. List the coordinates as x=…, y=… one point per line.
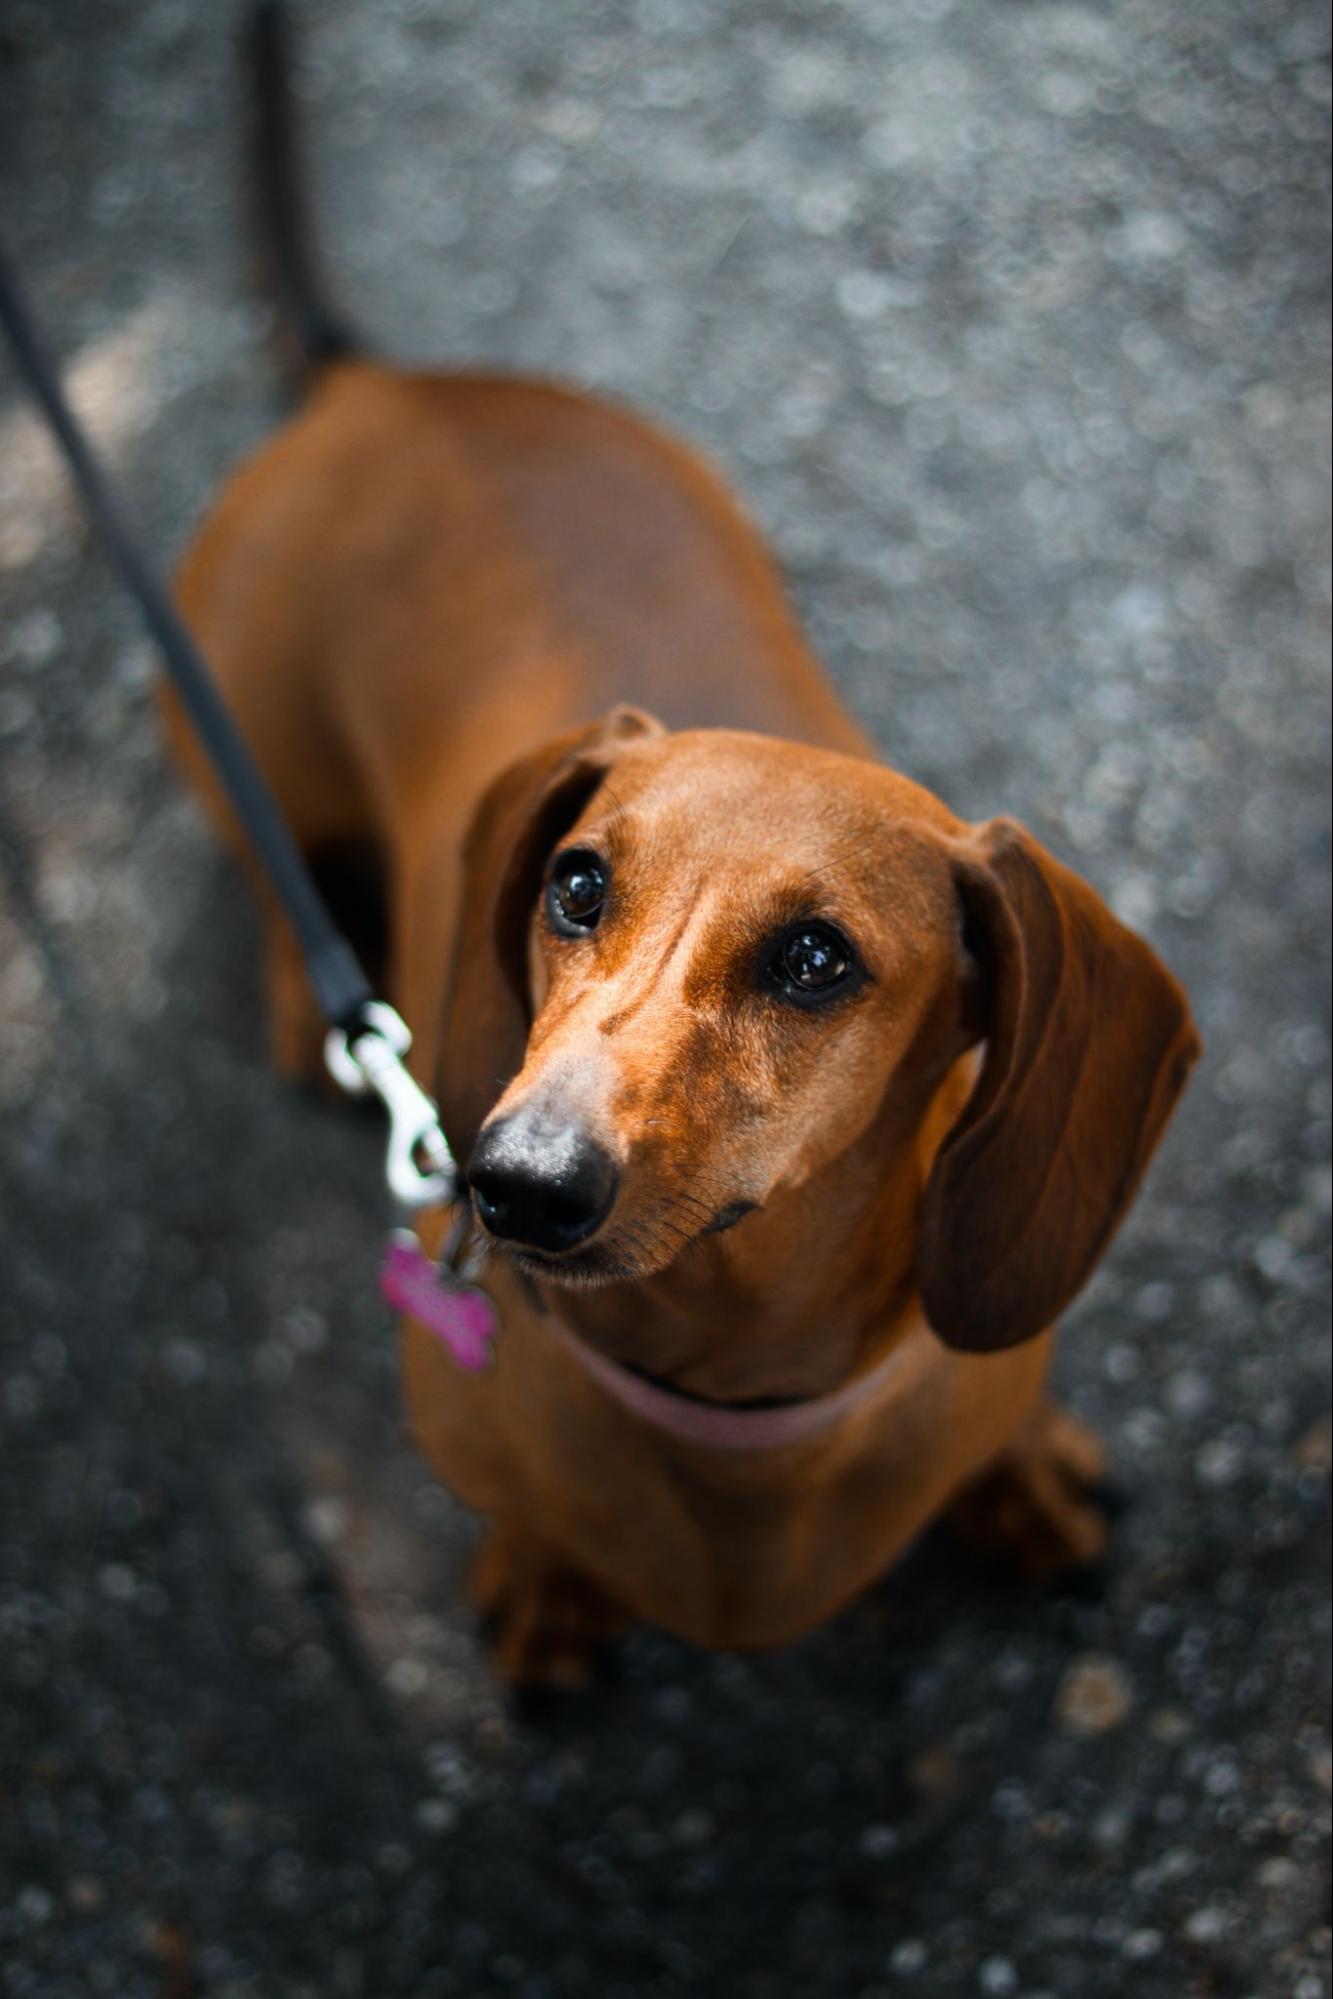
x=578, y=1269
x=612, y=1256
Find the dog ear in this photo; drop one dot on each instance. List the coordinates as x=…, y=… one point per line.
x=1088, y=1042
x=519, y=820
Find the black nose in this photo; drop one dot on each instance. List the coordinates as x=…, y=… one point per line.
x=541, y=1182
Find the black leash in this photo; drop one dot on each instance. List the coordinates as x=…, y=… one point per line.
x=367, y=1039
x=339, y=982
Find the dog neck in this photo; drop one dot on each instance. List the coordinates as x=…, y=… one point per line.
x=721, y=1426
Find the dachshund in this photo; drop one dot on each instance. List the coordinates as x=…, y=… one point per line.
x=794, y=1109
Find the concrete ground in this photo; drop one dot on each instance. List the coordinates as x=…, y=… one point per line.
x=1011, y=324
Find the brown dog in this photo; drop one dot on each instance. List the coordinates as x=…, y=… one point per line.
x=797, y=1107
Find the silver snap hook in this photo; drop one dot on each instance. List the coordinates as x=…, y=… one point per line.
x=419, y=1166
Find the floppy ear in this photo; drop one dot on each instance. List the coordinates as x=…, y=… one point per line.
x=1088, y=1043
x=520, y=819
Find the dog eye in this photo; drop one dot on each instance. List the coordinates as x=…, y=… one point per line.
x=810, y=960
x=576, y=894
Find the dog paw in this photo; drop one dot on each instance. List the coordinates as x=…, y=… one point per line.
x=1042, y=1503
x=545, y=1622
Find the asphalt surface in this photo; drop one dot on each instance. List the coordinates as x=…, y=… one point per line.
x=1011, y=324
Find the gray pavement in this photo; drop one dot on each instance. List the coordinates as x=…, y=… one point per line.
x=1011, y=323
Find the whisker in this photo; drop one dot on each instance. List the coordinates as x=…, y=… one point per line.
x=850, y=848
x=683, y=1194
x=618, y=810
x=699, y=1211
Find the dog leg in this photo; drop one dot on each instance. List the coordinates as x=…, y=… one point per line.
x=545, y=1621
x=1037, y=1502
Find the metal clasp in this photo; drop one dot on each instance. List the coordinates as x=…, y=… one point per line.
x=419, y=1166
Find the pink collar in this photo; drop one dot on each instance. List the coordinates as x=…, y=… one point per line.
x=722, y=1429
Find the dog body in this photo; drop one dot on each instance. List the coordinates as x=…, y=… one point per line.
x=735, y=1549
x=415, y=597
x=795, y=1108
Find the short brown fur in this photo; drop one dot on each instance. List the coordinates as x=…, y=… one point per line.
x=420, y=597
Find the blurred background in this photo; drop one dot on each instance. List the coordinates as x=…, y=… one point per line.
x=1011, y=325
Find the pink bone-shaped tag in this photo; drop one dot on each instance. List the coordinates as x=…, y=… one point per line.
x=458, y=1314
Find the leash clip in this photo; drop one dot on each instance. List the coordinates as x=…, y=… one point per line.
x=419, y=1166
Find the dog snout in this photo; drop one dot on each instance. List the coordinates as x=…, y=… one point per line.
x=541, y=1183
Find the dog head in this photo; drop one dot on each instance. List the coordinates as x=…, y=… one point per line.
x=697, y=973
